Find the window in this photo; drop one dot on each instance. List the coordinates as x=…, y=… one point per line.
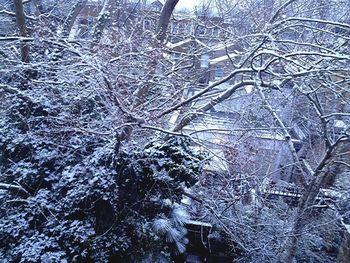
x=174, y=28
x=146, y=25
x=219, y=73
x=156, y=6
x=191, y=91
x=83, y=21
x=176, y=56
x=188, y=28
x=181, y=28
x=203, y=80
x=204, y=61
x=216, y=32
x=90, y=21
x=200, y=30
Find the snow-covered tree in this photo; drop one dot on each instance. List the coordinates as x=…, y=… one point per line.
x=98, y=112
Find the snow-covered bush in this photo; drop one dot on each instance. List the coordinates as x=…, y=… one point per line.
x=80, y=202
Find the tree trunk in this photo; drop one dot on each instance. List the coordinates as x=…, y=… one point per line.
x=20, y=19
x=141, y=94
x=103, y=17
x=344, y=251
x=72, y=16
x=322, y=174
x=164, y=19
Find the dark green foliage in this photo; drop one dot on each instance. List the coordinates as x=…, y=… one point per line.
x=81, y=204
x=161, y=170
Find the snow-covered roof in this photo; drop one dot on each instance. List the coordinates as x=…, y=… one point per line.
x=199, y=223
x=339, y=124
x=222, y=58
x=347, y=227
x=221, y=46
x=178, y=44
x=270, y=136
x=185, y=41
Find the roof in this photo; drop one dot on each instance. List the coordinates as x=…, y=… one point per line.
x=199, y=223
x=347, y=227
x=185, y=41
x=222, y=46
x=223, y=58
